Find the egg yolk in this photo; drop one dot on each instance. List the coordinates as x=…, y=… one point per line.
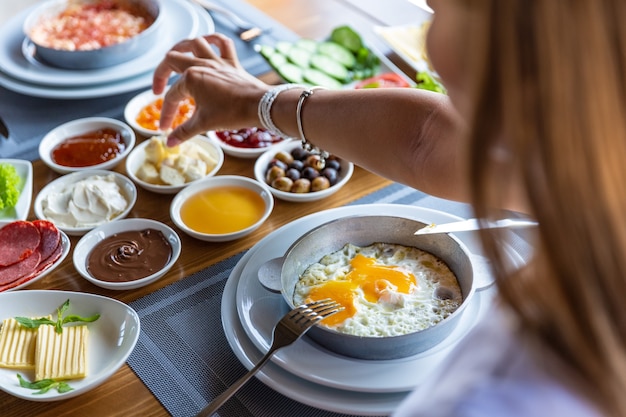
x=372, y=279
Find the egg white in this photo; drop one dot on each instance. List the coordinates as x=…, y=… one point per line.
x=436, y=297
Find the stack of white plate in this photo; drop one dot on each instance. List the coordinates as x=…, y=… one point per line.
x=20, y=71
x=309, y=373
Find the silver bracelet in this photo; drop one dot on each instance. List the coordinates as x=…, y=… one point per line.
x=306, y=145
x=265, y=107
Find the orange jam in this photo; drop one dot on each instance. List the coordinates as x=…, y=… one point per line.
x=222, y=210
x=89, y=148
x=368, y=276
x=150, y=114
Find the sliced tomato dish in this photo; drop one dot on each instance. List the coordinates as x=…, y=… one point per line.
x=386, y=80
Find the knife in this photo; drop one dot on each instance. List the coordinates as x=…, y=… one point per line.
x=473, y=224
x=4, y=130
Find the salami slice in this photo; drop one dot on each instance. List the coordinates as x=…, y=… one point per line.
x=17, y=270
x=50, y=237
x=18, y=240
x=51, y=259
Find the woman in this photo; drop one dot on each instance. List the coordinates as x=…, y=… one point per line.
x=536, y=122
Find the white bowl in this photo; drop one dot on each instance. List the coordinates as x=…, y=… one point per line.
x=112, y=337
x=81, y=126
x=138, y=156
x=65, y=249
x=217, y=182
x=127, y=189
x=134, y=106
x=95, y=58
x=20, y=211
x=260, y=168
x=86, y=244
x=243, y=152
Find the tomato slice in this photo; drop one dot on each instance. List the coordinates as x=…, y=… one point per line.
x=386, y=80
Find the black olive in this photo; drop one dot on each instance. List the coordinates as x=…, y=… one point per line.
x=297, y=164
x=310, y=173
x=334, y=164
x=299, y=154
x=293, y=173
x=278, y=163
x=331, y=174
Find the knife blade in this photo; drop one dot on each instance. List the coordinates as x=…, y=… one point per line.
x=4, y=130
x=473, y=224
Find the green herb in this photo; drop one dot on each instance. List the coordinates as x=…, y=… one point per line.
x=60, y=321
x=10, y=184
x=45, y=385
x=426, y=82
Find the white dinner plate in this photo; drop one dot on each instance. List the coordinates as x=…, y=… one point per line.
x=259, y=310
x=17, y=61
x=104, y=89
x=111, y=338
x=323, y=394
x=298, y=389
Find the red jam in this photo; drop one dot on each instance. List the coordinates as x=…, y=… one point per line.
x=89, y=148
x=250, y=137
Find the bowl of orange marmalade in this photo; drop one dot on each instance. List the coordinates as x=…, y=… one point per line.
x=143, y=112
x=85, y=144
x=222, y=208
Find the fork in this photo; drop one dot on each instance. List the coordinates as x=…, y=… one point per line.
x=289, y=329
x=246, y=31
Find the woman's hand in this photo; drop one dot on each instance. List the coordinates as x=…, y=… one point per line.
x=226, y=95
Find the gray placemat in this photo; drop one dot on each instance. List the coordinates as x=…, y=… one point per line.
x=30, y=118
x=183, y=355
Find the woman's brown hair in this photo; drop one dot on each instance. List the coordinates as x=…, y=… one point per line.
x=550, y=111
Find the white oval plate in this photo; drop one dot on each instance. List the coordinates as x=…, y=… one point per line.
x=111, y=338
x=20, y=211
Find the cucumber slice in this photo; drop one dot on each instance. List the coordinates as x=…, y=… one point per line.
x=317, y=77
x=308, y=44
x=283, y=47
x=347, y=37
x=290, y=73
x=276, y=60
x=266, y=51
x=331, y=67
x=300, y=57
x=338, y=53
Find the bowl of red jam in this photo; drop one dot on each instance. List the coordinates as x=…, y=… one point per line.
x=91, y=34
x=248, y=142
x=86, y=144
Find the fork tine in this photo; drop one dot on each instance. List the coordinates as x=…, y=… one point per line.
x=307, y=315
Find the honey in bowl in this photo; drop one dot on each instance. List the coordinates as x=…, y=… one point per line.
x=222, y=210
x=89, y=148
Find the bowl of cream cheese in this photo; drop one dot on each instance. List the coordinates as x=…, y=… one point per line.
x=81, y=201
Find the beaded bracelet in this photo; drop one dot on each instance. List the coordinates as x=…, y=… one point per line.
x=265, y=107
x=306, y=145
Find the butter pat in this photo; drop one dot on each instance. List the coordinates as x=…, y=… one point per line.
x=17, y=345
x=61, y=355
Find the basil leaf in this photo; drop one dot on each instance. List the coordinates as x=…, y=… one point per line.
x=74, y=318
x=33, y=323
x=44, y=385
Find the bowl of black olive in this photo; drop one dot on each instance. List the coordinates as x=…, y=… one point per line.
x=297, y=175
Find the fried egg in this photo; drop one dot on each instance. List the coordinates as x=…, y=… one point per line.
x=385, y=289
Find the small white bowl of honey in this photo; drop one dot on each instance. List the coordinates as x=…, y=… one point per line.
x=222, y=208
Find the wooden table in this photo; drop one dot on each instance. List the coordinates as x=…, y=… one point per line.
x=124, y=394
